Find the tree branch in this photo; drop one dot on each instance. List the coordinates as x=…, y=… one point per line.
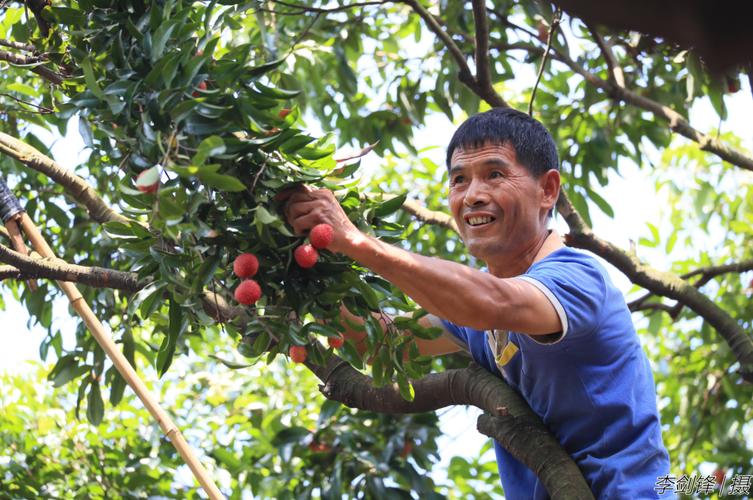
x=76, y=187
x=677, y=123
x=9, y=272
x=60, y=270
x=481, y=22
x=465, y=74
x=661, y=283
x=616, y=75
x=320, y=10
x=517, y=426
x=707, y=274
x=18, y=46
x=549, y=37
x=42, y=71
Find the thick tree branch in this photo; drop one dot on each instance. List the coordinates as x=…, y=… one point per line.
x=661, y=283
x=516, y=425
x=57, y=269
x=76, y=187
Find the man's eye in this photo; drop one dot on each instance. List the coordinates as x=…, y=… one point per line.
x=458, y=178
x=496, y=174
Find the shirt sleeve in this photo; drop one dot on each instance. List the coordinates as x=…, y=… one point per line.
x=576, y=289
x=451, y=331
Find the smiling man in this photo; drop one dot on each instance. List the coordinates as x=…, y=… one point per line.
x=545, y=317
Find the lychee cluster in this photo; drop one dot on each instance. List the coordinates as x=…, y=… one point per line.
x=320, y=237
x=245, y=266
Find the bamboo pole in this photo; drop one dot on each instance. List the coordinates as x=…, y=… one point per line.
x=123, y=366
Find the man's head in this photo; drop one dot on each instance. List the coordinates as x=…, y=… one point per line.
x=533, y=145
x=504, y=181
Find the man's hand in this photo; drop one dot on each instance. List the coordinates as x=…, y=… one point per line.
x=305, y=207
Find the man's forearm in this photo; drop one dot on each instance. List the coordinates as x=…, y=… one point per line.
x=449, y=290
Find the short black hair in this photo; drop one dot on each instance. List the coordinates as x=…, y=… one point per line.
x=532, y=142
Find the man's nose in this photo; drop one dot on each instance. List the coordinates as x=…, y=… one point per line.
x=476, y=194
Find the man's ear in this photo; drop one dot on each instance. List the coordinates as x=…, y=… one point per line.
x=549, y=183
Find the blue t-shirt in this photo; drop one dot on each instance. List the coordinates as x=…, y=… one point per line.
x=592, y=385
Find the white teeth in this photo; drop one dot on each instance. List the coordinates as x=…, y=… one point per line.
x=475, y=221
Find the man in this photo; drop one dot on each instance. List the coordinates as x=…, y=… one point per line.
x=544, y=317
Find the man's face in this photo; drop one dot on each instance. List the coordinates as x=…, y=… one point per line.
x=495, y=201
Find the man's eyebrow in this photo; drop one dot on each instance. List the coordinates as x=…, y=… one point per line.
x=491, y=162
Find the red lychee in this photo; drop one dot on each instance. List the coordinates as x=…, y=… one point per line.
x=321, y=236
x=284, y=112
x=297, y=353
x=248, y=292
x=306, y=256
x=336, y=342
x=245, y=265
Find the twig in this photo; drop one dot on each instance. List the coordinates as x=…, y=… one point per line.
x=320, y=10
x=550, y=35
x=42, y=109
x=616, y=75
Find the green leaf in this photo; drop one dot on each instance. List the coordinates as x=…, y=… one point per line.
x=90, y=79
x=230, y=364
x=211, y=146
x=290, y=435
x=390, y=206
x=350, y=354
x=175, y=328
x=263, y=216
x=222, y=182
x=95, y=409
x=406, y=388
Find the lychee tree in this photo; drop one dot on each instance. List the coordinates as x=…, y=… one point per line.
x=197, y=114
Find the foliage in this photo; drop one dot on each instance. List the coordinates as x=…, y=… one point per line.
x=197, y=88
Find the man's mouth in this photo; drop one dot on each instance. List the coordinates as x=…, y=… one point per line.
x=479, y=220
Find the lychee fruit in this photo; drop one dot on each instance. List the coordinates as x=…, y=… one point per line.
x=297, y=353
x=148, y=180
x=284, y=112
x=321, y=236
x=306, y=256
x=336, y=342
x=248, y=292
x=245, y=265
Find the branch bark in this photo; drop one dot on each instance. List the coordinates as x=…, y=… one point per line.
x=57, y=269
x=661, y=283
x=486, y=92
x=509, y=419
x=677, y=123
x=42, y=71
x=76, y=187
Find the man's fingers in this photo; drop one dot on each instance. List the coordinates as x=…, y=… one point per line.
x=287, y=192
x=295, y=210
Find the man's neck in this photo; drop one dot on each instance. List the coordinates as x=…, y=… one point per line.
x=540, y=248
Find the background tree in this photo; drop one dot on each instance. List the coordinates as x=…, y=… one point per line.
x=219, y=96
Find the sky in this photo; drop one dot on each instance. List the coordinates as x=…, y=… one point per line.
x=627, y=193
